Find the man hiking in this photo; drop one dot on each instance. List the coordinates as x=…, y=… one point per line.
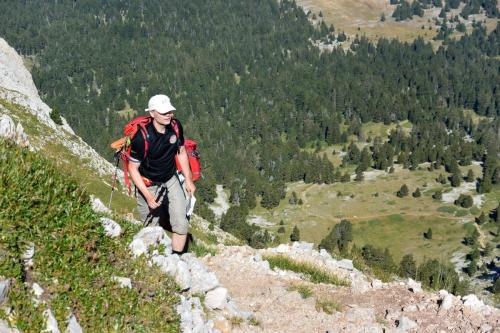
x=153, y=170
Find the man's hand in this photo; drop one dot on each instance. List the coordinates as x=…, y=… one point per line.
x=152, y=203
x=190, y=187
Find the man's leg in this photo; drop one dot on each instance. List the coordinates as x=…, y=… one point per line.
x=147, y=216
x=178, y=242
x=177, y=211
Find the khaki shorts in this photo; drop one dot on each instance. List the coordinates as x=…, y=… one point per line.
x=173, y=206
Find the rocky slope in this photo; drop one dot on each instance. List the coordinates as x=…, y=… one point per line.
x=236, y=290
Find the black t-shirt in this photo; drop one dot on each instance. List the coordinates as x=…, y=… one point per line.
x=159, y=163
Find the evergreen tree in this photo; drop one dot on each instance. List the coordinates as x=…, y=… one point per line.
x=464, y=200
x=428, y=234
x=295, y=235
x=408, y=267
x=403, y=191
x=417, y=193
x=455, y=179
x=55, y=115
x=481, y=219
x=470, y=176
x=293, y=199
x=472, y=268
x=496, y=285
x=438, y=195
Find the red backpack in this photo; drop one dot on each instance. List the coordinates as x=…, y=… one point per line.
x=124, y=145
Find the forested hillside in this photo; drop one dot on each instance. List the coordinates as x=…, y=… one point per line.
x=249, y=85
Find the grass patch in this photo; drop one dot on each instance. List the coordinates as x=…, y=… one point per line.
x=302, y=289
x=199, y=249
x=447, y=209
x=461, y=212
x=74, y=260
x=328, y=306
x=311, y=272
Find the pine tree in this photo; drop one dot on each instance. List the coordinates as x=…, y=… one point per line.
x=295, y=235
x=438, y=195
x=417, y=193
x=408, y=267
x=470, y=176
x=428, y=234
x=455, y=179
x=55, y=115
x=481, y=219
x=403, y=191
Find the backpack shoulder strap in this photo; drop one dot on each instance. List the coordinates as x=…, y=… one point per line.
x=175, y=126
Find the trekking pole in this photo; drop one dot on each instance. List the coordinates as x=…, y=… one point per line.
x=117, y=158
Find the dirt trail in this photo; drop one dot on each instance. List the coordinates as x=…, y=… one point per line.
x=278, y=307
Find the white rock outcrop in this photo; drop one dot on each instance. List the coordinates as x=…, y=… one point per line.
x=73, y=325
x=112, y=228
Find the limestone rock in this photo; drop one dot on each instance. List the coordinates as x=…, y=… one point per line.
x=4, y=327
x=377, y=284
x=112, y=228
x=192, y=317
x=182, y=275
x=473, y=302
x=414, y=286
x=149, y=236
x=7, y=127
x=123, y=282
x=51, y=322
x=410, y=308
x=202, y=280
x=446, y=303
x=98, y=206
x=345, y=264
x=406, y=324
x=167, y=264
x=37, y=290
x=73, y=325
x=216, y=298
x=28, y=255
x=4, y=290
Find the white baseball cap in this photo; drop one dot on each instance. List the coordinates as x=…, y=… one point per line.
x=160, y=104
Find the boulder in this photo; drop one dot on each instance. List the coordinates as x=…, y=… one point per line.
x=182, y=275
x=473, y=303
x=414, y=286
x=167, y=264
x=202, y=280
x=345, y=264
x=446, y=303
x=406, y=324
x=302, y=247
x=216, y=298
x=149, y=236
x=7, y=127
x=377, y=284
x=112, y=228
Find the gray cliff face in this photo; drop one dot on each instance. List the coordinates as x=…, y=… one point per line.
x=17, y=88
